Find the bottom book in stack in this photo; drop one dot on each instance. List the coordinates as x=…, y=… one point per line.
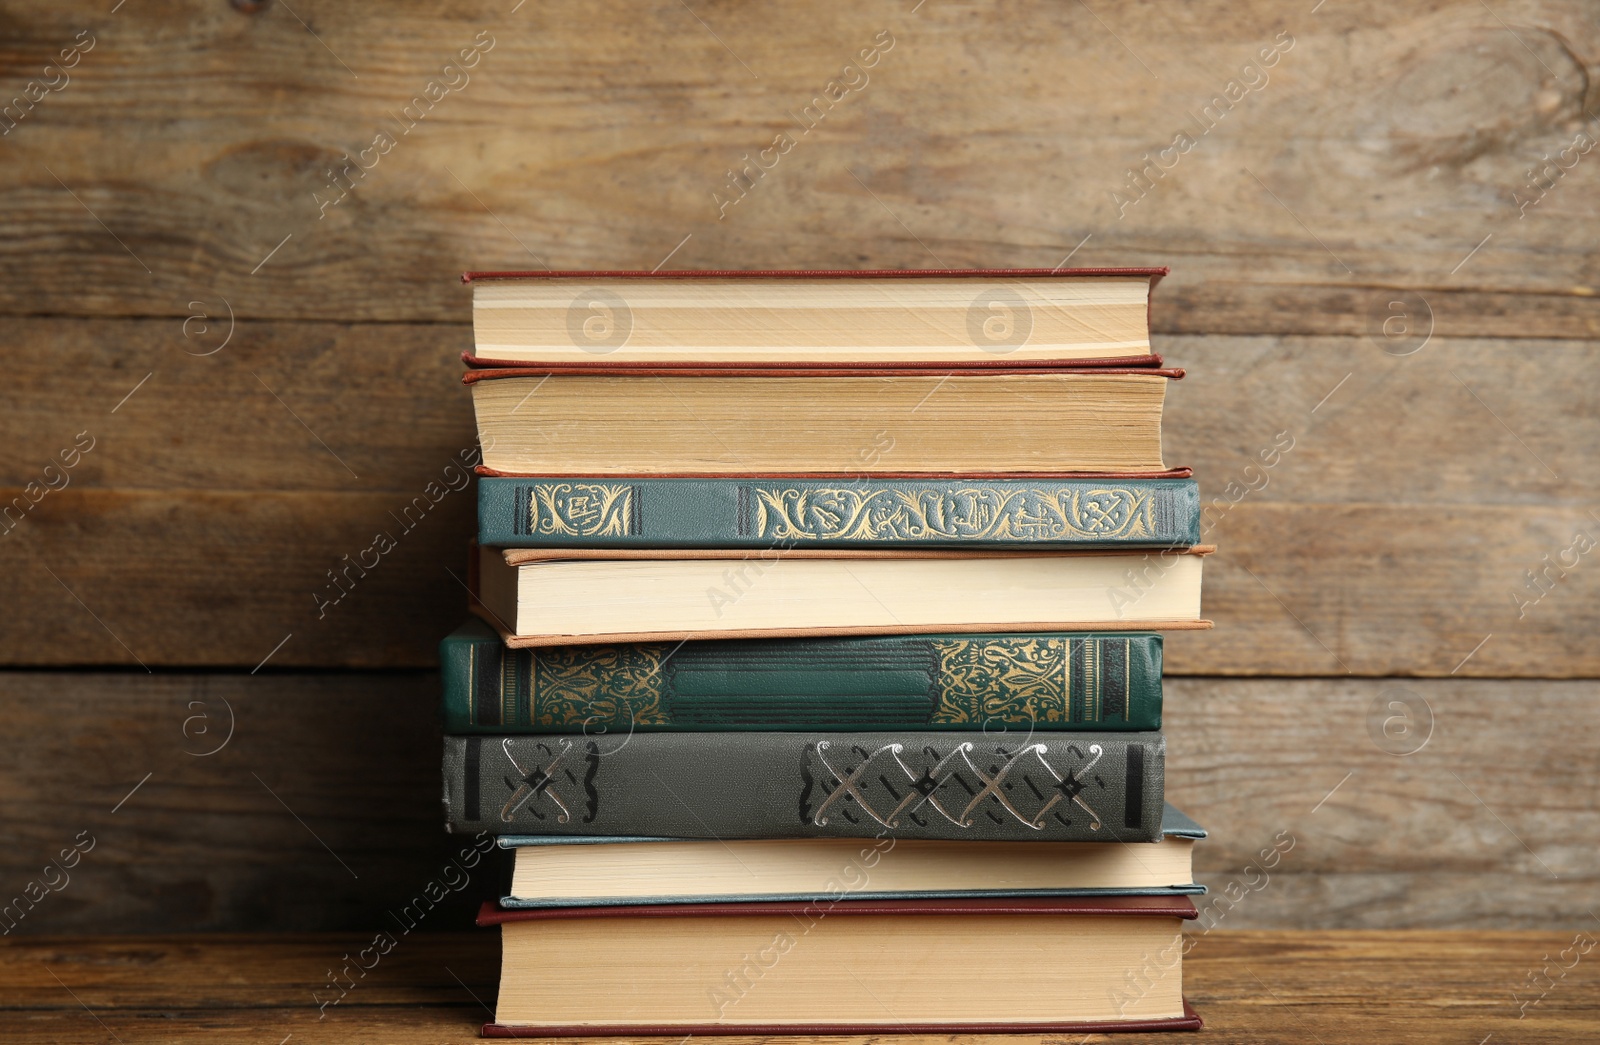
x=843, y=935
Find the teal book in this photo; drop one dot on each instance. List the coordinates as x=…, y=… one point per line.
x=1063, y=681
x=1103, y=512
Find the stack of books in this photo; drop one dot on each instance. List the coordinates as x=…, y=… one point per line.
x=816, y=675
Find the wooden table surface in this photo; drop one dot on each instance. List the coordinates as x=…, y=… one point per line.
x=1371, y=255
x=1325, y=987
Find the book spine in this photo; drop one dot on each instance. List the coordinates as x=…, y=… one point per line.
x=1015, y=786
x=802, y=513
x=1046, y=682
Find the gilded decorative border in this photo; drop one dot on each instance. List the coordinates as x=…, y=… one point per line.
x=599, y=688
x=1003, y=680
x=944, y=514
x=579, y=509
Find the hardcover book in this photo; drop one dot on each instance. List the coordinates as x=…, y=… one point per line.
x=635, y=421
x=548, y=597
x=1016, y=786
x=1058, y=965
x=760, y=512
x=1079, y=681
x=564, y=871
x=843, y=319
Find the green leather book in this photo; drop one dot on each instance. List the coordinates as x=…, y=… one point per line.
x=1013, y=786
x=1100, y=512
x=1087, y=681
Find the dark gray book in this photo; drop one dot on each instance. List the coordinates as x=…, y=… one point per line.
x=1016, y=786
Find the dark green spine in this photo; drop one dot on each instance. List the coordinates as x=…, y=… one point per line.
x=1070, y=682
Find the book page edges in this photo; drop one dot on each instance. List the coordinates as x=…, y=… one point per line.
x=514, y=641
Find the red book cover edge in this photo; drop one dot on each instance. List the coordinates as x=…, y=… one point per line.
x=789, y=368
x=721, y=370
x=1154, y=273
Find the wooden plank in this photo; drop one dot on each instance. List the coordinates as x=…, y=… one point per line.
x=287, y=801
x=283, y=404
x=140, y=578
x=322, y=811
x=323, y=407
x=1337, y=988
x=260, y=468
x=1408, y=802
x=1415, y=899
x=193, y=153
x=1391, y=590
x=131, y=578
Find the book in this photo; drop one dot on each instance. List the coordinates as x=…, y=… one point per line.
x=1011, y=786
x=635, y=421
x=557, y=871
x=547, y=597
x=842, y=319
x=757, y=512
x=1076, y=965
x=1080, y=681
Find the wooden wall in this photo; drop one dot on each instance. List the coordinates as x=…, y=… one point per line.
x=266, y=375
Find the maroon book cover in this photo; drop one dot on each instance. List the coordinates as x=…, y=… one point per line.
x=1154, y=274
x=701, y=370
x=1145, y=365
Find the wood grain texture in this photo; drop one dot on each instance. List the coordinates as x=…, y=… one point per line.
x=1379, y=146
x=319, y=809
x=1254, y=988
x=1486, y=822
x=269, y=379
x=322, y=810
x=1390, y=537
x=219, y=579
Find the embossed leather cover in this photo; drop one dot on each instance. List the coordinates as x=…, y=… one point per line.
x=1080, y=681
x=844, y=512
x=1015, y=786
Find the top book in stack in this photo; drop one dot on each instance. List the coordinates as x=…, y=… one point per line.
x=913, y=373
